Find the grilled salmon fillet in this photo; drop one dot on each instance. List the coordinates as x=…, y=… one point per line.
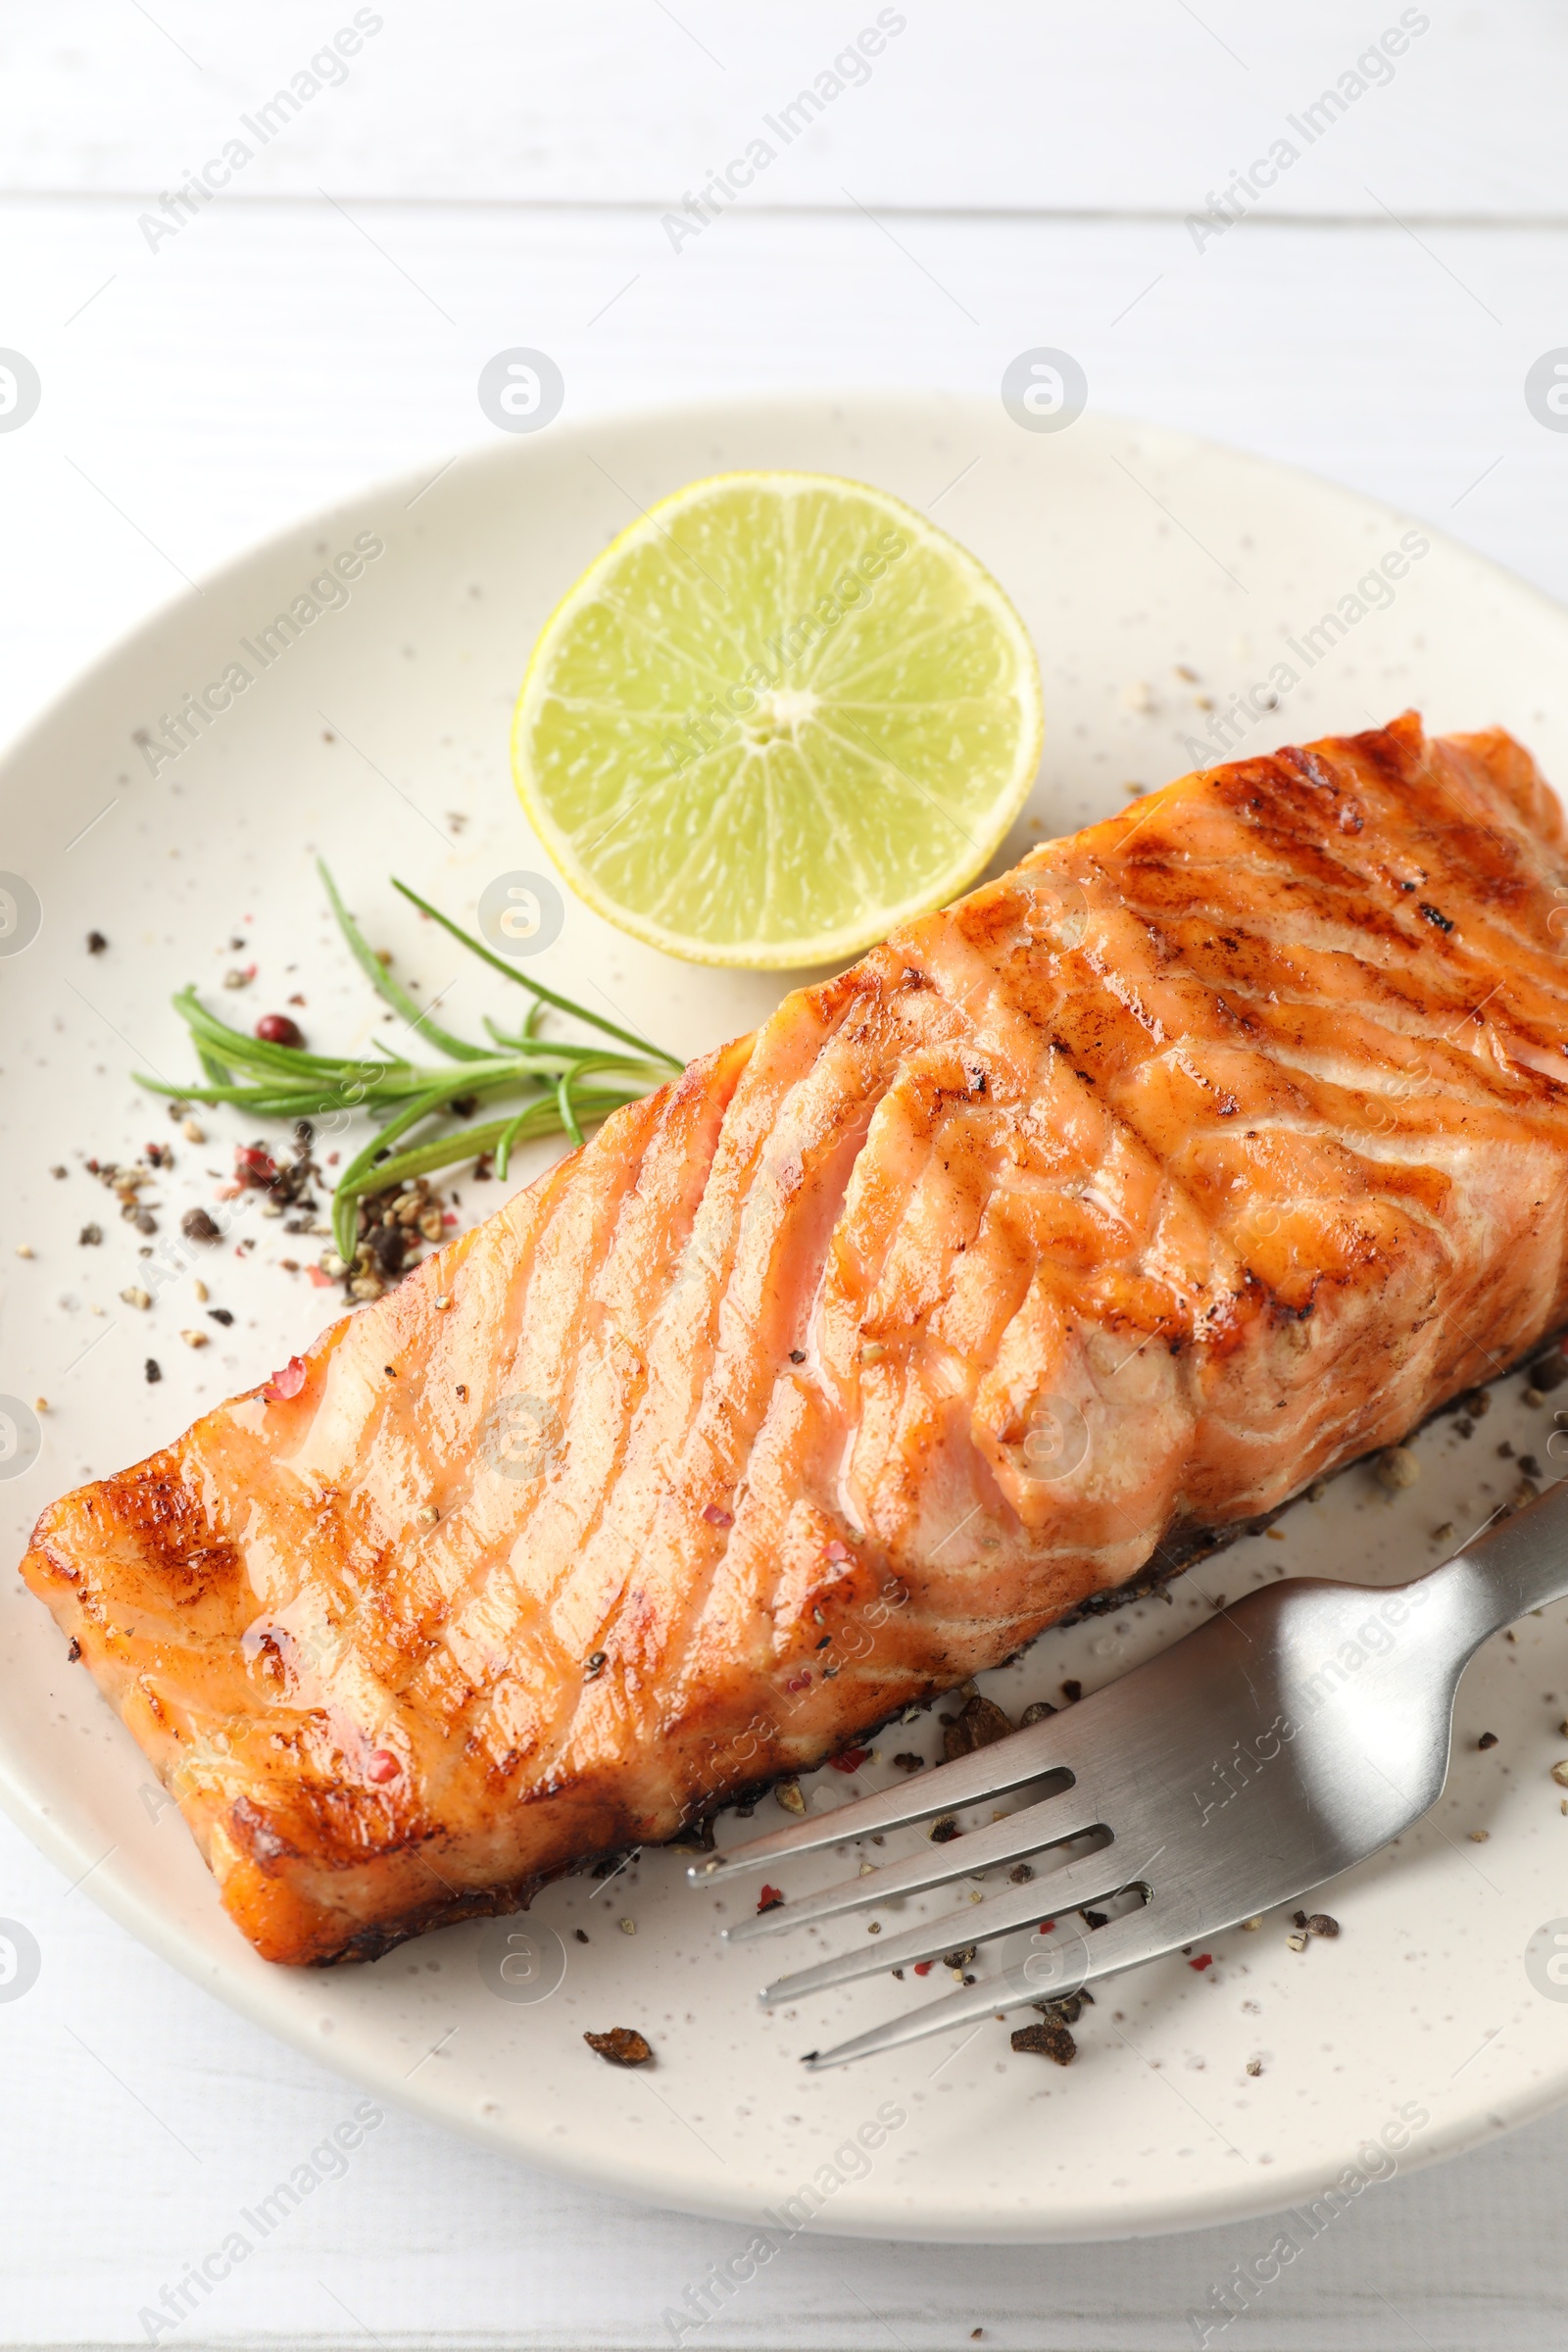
x=1203, y=1152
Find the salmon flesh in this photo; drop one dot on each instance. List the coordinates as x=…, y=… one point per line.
x=1203, y=1152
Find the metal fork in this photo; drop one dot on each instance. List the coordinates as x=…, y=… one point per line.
x=1289, y=1737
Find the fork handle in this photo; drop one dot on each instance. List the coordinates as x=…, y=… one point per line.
x=1515, y=1566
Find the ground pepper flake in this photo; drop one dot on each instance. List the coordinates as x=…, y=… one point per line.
x=622, y=2046
x=287, y=1383
x=850, y=1760
x=253, y=1166
x=979, y=1723
x=1048, y=2040
x=770, y=1898
x=1397, y=1468
x=1204, y=1960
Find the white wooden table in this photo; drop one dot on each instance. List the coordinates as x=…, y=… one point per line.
x=1013, y=173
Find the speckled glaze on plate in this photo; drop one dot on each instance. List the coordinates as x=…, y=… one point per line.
x=1162, y=580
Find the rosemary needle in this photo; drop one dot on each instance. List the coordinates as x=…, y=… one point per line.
x=535, y=988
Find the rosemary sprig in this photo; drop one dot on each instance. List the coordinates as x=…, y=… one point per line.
x=555, y=1077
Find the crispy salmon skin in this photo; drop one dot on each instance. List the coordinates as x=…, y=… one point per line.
x=1206, y=1149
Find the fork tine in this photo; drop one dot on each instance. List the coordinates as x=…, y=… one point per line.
x=1123, y=1944
x=1026, y=1831
x=1008, y=1764
x=1088, y=1881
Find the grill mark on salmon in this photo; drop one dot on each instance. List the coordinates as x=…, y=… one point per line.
x=1230, y=1136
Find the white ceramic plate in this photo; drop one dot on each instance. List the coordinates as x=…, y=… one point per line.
x=1156, y=574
